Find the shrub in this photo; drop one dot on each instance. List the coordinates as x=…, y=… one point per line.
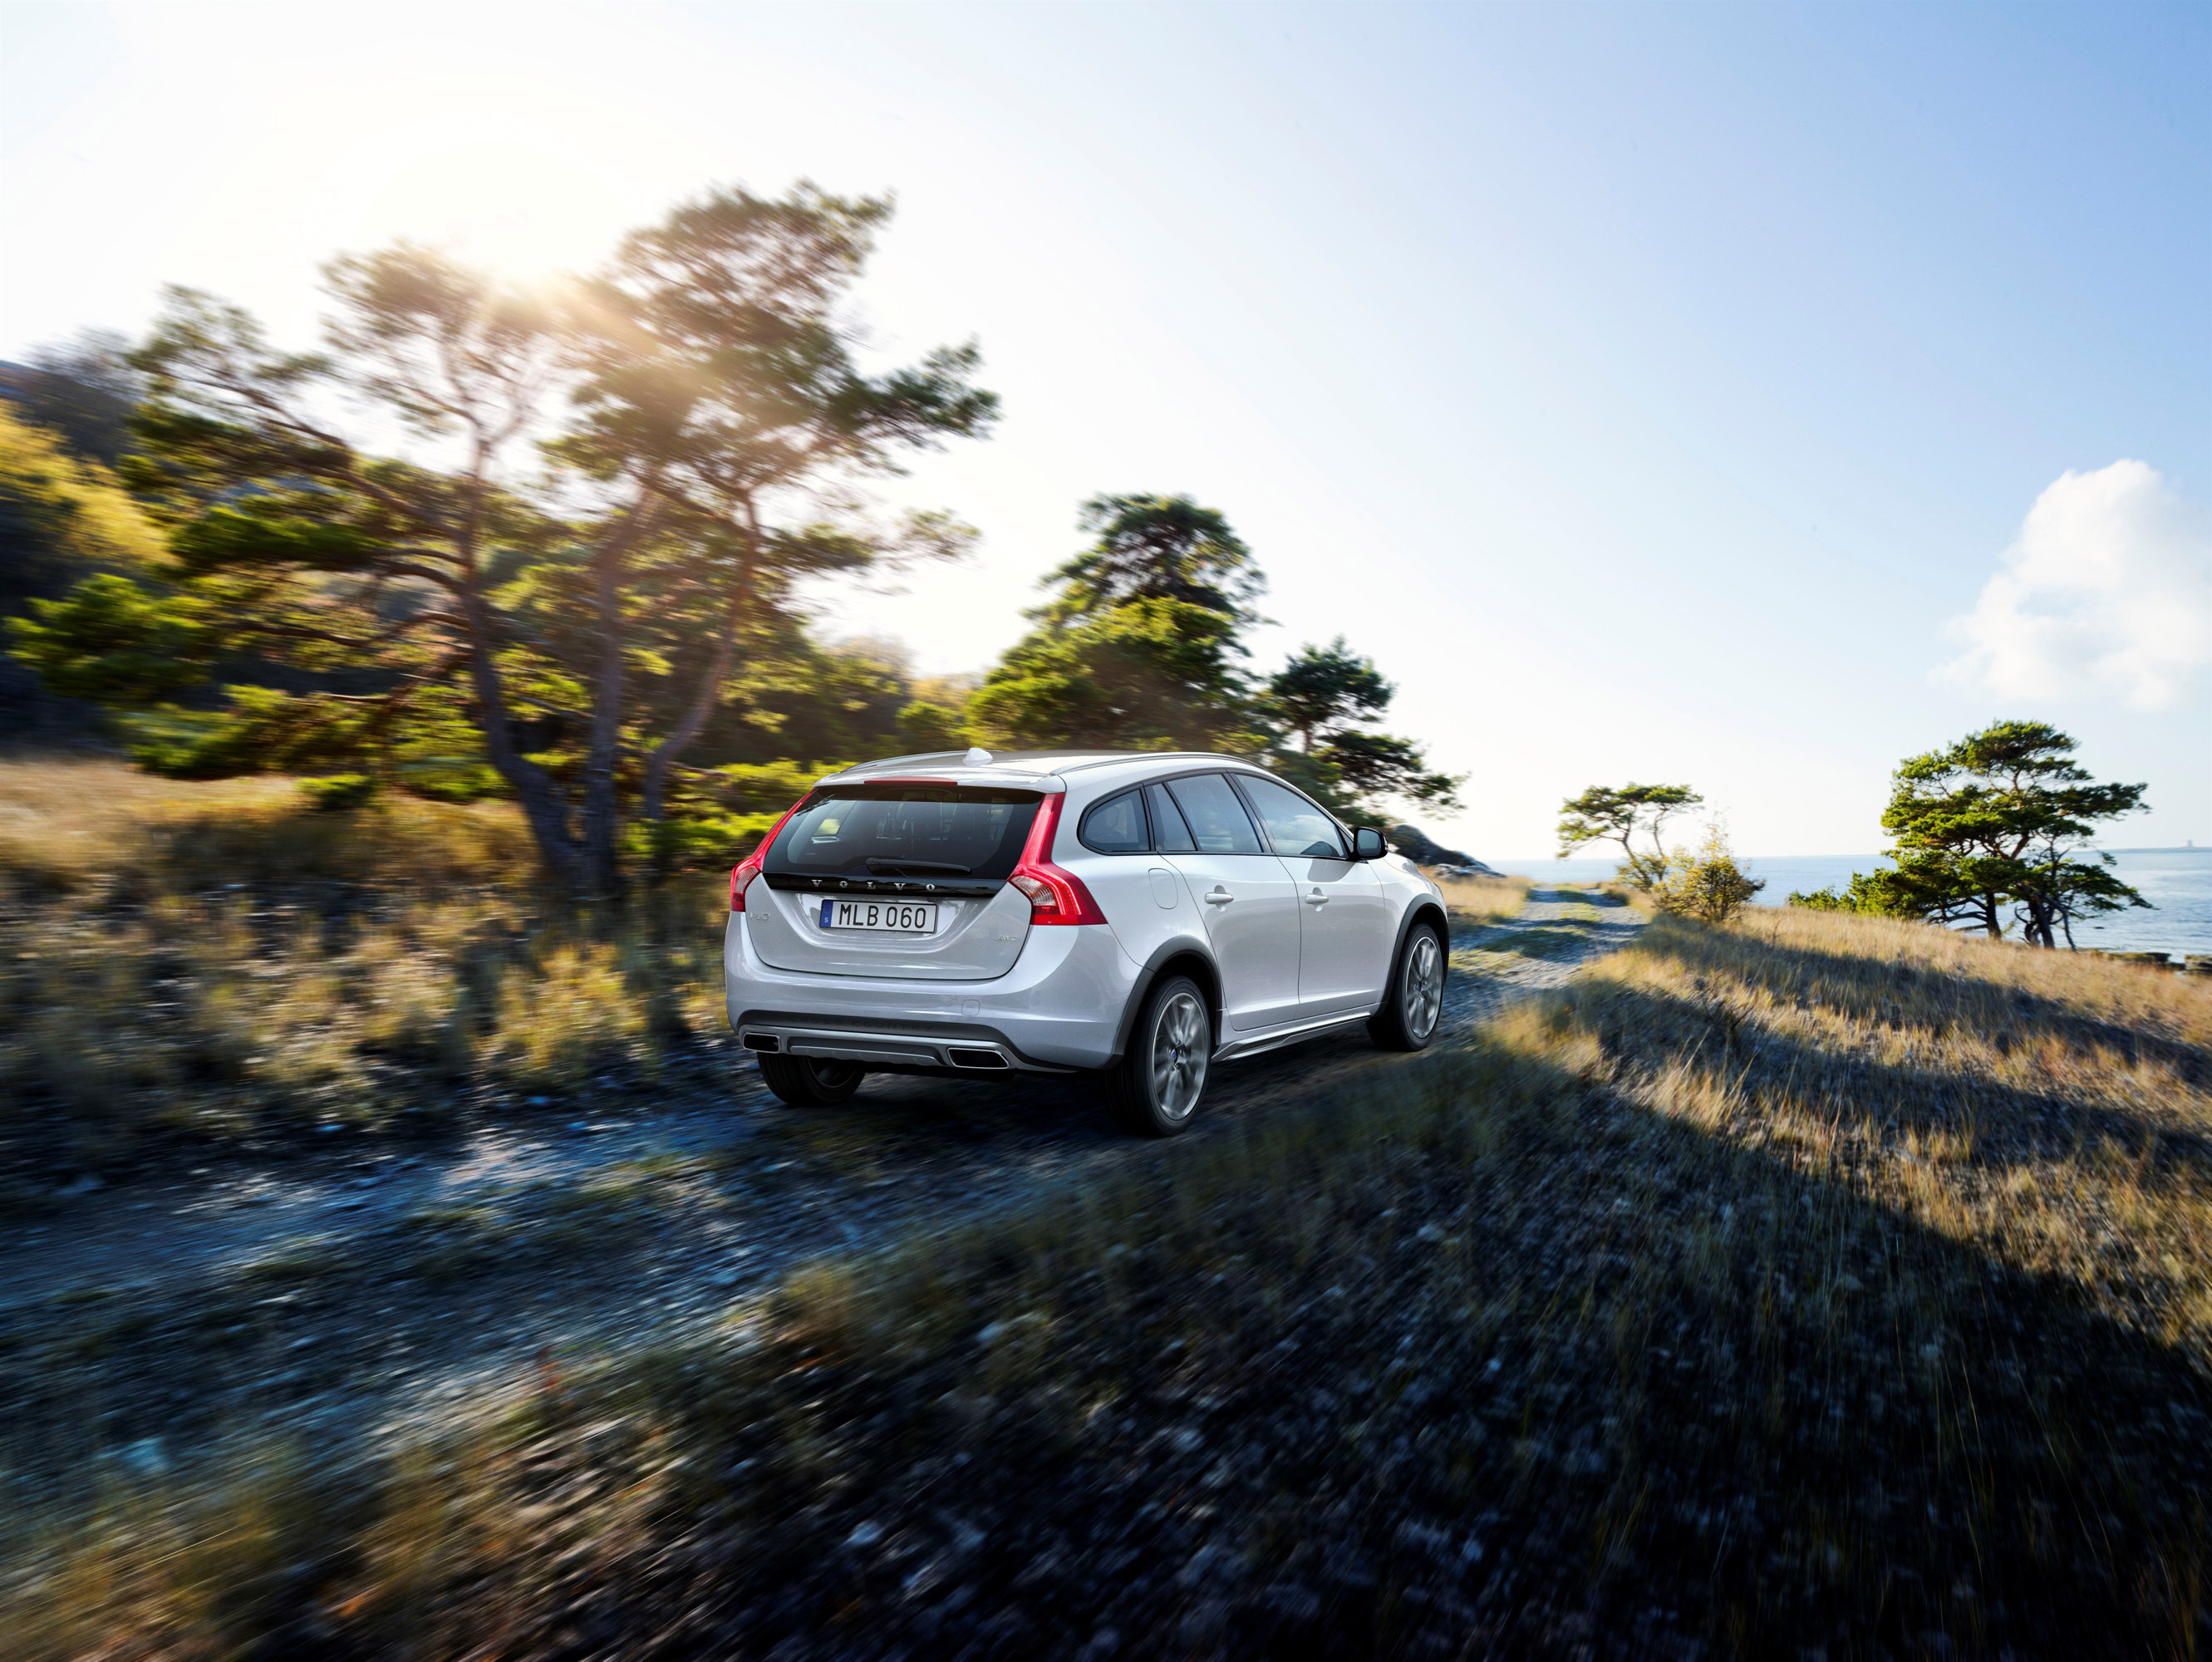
x=1707, y=883
x=1876, y=894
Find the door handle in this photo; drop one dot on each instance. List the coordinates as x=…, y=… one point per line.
x=1316, y=899
x=1220, y=896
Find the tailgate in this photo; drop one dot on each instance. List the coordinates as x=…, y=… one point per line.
x=894, y=880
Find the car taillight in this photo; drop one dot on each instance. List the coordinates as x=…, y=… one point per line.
x=741, y=874
x=1055, y=895
x=741, y=878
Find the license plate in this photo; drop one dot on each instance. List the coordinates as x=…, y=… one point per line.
x=881, y=916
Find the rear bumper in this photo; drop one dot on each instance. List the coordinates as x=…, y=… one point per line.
x=1059, y=1008
x=961, y=1048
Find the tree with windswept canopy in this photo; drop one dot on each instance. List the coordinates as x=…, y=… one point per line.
x=1993, y=832
x=1150, y=673
x=1156, y=548
x=1139, y=645
x=1319, y=695
x=1605, y=813
x=721, y=364
x=1325, y=688
x=628, y=478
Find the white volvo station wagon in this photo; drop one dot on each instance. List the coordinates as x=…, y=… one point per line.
x=1133, y=917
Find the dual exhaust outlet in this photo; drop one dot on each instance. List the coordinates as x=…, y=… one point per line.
x=882, y=1051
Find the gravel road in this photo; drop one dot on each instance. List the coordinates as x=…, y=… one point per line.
x=357, y=1290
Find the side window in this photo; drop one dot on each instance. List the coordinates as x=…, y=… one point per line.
x=1115, y=825
x=1293, y=824
x=1169, y=834
x=1218, y=822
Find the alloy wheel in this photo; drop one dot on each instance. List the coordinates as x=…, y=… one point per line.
x=1179, y=1055
x=1425, y=985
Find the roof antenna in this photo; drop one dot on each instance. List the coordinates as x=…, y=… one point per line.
x=977, y=756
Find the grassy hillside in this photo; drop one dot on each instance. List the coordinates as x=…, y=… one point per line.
x=1818, y=1283
x=198, y=963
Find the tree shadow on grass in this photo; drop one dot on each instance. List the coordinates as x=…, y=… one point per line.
x=1992, y=1006
x=1639, y=1389
x=1991, y=1124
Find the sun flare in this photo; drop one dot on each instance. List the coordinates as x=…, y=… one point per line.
x=526, y=211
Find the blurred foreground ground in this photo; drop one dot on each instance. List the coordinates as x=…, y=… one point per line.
x=367, y=1284
x=1819, y=1284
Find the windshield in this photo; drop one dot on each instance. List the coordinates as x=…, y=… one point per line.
x=905, y=830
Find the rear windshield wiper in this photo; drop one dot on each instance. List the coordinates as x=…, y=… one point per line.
x=878, y=864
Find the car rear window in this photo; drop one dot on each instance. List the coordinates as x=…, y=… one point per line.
x=1293, y=824
x=1218, y=822
x=904, y=831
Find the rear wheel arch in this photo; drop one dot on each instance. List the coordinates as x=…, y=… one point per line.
x=1177, y=958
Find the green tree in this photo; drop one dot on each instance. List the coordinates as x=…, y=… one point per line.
x=1139, y=644
x=722, y=378
x=1157, y=548
x=936, y=718
x=1153, y=673
x=1324, y=688
x=1605, y=813
x=1364, y=769
x=63, y=518
x=1992, y=832
x=573, y=625
x=1863, y=893
x=1319, y=695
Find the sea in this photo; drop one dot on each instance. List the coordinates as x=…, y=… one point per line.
x=2178, y=883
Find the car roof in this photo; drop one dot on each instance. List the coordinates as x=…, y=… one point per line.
x=1029, y=767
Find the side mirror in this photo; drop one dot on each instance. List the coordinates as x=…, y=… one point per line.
x=1367, y=843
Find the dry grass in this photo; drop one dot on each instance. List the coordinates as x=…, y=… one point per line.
x=100, y=826
x=2049, y=1110
x=1814, y=1283
x=219, y=961
x=1483, y=900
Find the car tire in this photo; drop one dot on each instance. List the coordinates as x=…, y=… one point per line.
x=1154, y=1090
x=805, y=1083
x=1414, y=1007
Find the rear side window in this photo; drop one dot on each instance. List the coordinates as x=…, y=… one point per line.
x=1115, y=825
x=1293, y=824
x=904, y=831
x=1169, y=834
x=1218, y=822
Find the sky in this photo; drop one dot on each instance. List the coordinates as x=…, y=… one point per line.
x=1746, y=396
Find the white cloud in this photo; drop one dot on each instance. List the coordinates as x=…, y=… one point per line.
x=2107, y=594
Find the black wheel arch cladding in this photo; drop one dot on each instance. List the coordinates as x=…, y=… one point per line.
x=1172, y=957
